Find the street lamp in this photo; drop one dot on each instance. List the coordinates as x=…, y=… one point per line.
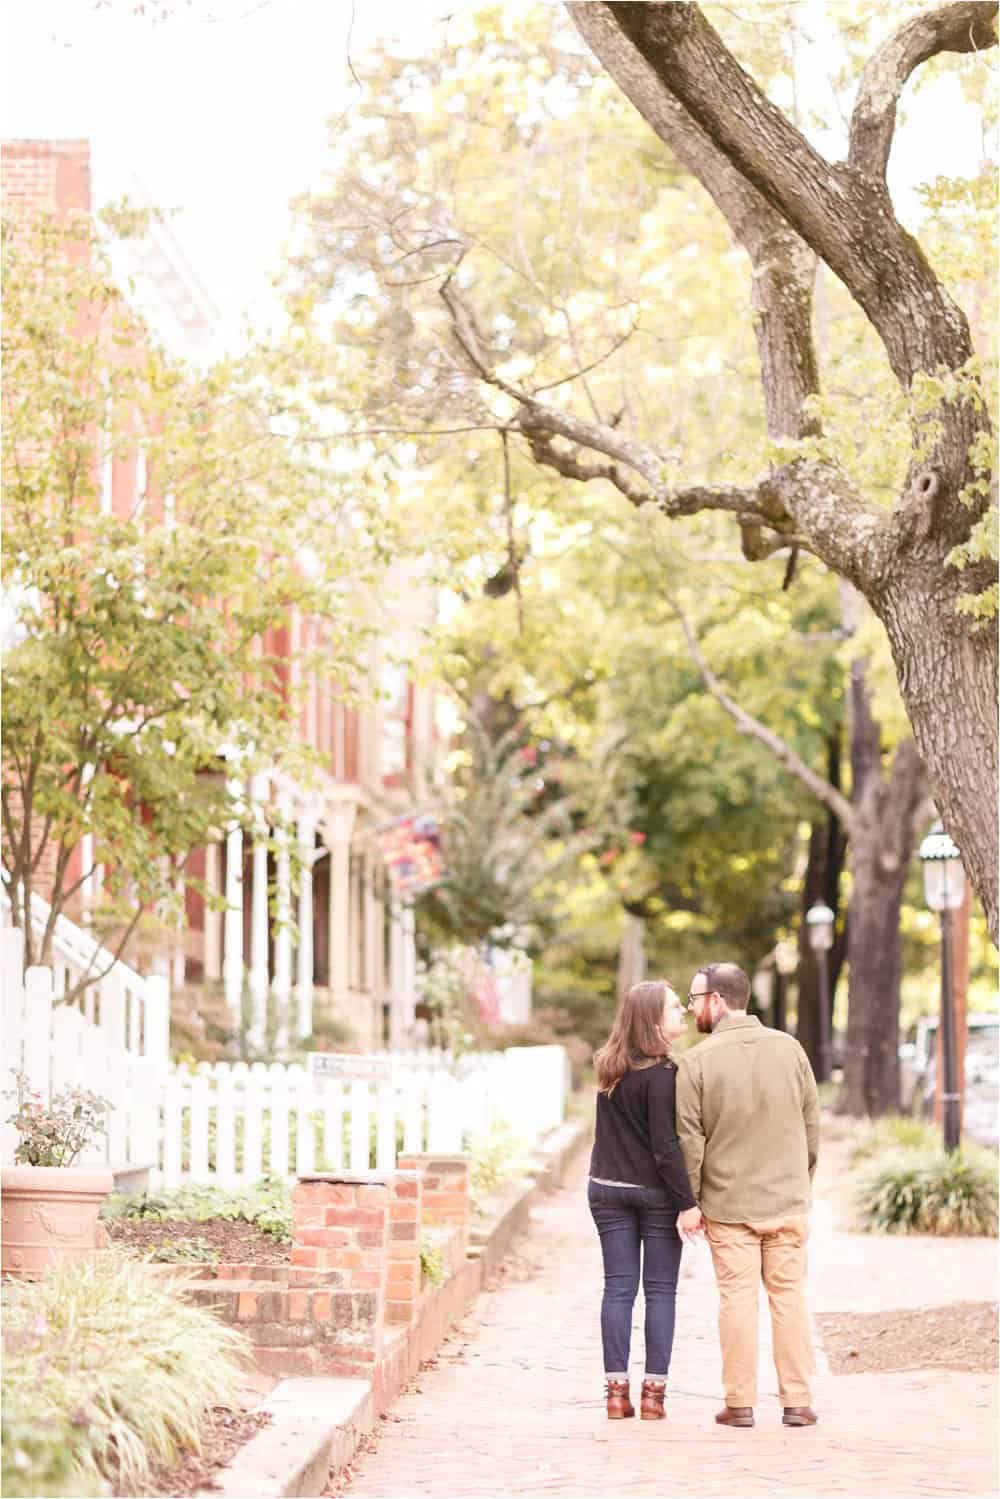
x=944, y=887
x=819, y=925
x=786, y=960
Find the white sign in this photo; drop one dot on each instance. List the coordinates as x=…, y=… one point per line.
x=336, y=1066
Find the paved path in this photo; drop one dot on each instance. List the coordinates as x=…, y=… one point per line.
x=515, y=1403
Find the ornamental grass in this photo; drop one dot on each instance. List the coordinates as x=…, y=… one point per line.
x=929, y=1192
x=107, y=1371
x=893, y=1132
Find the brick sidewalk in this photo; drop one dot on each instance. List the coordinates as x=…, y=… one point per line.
x=515, y=1404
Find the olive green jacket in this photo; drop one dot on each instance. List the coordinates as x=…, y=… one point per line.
x=748, y=1122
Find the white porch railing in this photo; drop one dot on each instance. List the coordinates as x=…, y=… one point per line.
x=57, y=1047
x=135, y=1010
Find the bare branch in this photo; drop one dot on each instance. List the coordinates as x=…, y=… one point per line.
x=970, y=26
x=747, y=724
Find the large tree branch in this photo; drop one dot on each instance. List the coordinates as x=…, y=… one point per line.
x=845, y=217
x=783, y=267
x=808, y=503
x=754, y=729
x=969, y=26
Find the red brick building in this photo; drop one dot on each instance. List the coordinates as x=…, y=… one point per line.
x=356, y=942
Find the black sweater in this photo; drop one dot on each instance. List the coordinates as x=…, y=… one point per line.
x=636, y=1136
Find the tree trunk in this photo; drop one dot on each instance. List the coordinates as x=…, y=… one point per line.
x=827, y=845
x=882, y=842
x=948, y=679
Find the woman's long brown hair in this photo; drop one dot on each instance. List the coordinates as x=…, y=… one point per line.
x=635, y=1036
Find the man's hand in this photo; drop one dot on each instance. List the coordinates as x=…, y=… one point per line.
x=690, y=1225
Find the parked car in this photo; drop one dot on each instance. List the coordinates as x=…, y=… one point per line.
x=918, y=1074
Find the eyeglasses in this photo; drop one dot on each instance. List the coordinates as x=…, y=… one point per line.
x=704, y=994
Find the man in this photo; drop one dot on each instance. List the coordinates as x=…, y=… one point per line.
x=748, y=1124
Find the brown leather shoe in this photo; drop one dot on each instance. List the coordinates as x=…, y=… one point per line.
x=799, y=1415
x=651, y=1404
x=619, y=1405
x=735, y=1415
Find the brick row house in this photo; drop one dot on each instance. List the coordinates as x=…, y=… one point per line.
x=356, y=940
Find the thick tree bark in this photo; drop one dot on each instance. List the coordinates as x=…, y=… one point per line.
x=883, y=833
x=827, y=847
x=948, y=681
x=761, y=171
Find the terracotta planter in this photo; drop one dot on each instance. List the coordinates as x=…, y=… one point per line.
x=50, y=1215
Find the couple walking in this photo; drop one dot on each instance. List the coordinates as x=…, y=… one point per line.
x=723, y=1144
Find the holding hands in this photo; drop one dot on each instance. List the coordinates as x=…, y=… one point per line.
x=690, y=1226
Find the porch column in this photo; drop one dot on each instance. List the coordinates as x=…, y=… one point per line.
x=213, y=918
x=232, y=963
x=339, y=826
x=259, y=923
x=398, y=1018
x=304, y=959
x=178, y=955
x=283, y=932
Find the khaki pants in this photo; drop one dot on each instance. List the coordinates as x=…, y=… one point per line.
x=743, y=1255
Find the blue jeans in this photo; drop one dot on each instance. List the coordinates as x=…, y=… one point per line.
x=628, y=1218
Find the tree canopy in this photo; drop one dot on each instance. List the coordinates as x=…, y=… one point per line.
x=832, y=405
x=145, y=668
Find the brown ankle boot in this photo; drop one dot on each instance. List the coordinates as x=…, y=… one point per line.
x=619, y=1405
x=651, y=1404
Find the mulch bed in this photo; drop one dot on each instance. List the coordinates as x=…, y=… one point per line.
x=235, y=1243
x=224, y=1432
x=962, y=1337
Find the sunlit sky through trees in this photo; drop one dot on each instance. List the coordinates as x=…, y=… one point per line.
x=220, y=110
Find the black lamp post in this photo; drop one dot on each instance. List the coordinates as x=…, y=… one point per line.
x=944, y=887
x=819, y=924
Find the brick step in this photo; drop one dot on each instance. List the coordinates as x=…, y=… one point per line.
x=256, y=1305
x=183, y=1271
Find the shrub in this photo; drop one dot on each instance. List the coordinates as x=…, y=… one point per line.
x=108, y=1371
x=431, y=1262
x=930, y=1192
x=267, y=1206
x=54, y=1134
x=893, y=1132
x=496, y=1158
x=183, y=1252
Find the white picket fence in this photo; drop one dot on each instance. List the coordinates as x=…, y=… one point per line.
x=57, y=1046
x=229, y=1124
x=135, y=1010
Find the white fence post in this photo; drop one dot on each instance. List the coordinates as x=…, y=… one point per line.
x=444, y=1122
x=253, y=1131
x=156, y=1036
x=360, y=1126
x=225, y=1130
x=198, y=1115
x=144, y=1113
x=174, y=1092
x=38, y=1030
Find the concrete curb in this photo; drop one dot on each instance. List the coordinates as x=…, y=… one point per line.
x=317, y=1423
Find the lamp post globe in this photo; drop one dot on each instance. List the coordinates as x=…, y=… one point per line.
x=819, y=927
x=944, y=877
x=944, y=888
x=819, y=921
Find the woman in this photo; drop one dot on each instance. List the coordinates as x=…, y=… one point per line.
x=638, y=1191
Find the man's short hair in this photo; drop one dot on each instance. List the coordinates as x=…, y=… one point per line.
x=730, y=983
